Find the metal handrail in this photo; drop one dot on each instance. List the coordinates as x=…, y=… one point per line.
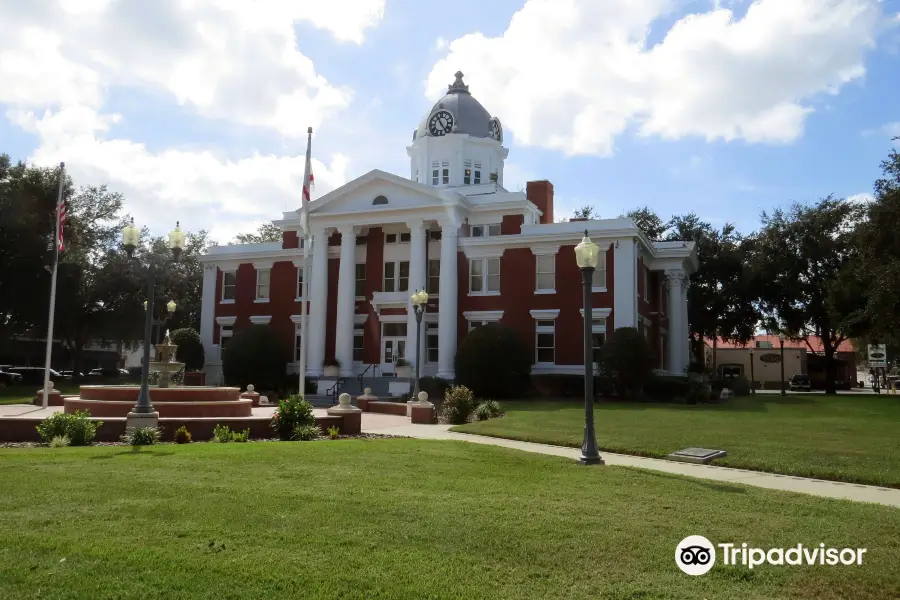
x=333, y=390
x=374, y=367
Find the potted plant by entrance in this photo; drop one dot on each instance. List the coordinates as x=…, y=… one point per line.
x=402, y=368
x=332, y=368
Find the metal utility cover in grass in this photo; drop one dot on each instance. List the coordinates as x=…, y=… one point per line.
x=697, y=455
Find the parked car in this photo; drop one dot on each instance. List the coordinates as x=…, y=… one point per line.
x=800, y=383
x=7, y=379
x=108, y=372
x=34, y=375
x=70, y=374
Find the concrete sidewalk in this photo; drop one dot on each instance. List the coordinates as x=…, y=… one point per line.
x=788, y=483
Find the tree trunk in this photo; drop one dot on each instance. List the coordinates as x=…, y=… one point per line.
x=830, y=371
x=715, y=371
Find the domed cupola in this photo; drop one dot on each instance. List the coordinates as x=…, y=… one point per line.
x=457, y=143
x=459, y=112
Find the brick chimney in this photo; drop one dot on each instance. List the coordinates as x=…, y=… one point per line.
x=540, y=193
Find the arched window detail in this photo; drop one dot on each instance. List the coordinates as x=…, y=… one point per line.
x=379, y=200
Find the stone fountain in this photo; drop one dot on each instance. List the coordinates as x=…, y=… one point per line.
x=165, y=363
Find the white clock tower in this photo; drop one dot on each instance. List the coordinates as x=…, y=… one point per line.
x=457, y=143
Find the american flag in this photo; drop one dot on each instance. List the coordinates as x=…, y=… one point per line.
x=61, y=210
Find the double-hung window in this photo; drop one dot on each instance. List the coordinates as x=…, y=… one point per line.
x=360, y=280
x=546, y=273
x=263, y=277
x=358, y=337
x=431, y=342
x=396, y=276
x=599, y=279
x=489, y=230
x=300, y=290
x=545, y=342
x=229, y=285
x=434, y=276
x=484, y=276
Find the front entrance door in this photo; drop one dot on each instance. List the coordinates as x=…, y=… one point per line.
x=393, y=345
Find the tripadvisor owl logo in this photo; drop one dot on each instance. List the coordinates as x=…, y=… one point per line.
x=695, y=555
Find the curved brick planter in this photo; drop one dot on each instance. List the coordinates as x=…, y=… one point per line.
x=129, y=393
x=105, y=408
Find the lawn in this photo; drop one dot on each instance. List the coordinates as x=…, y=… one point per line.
x=24, y=393
x=379, y=519
x=845, y=438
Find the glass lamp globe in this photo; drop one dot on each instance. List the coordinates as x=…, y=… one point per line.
x=171, y=306
x=586, y=253
x=131, y=237
x=177, y=239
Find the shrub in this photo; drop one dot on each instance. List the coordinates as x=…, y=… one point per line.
x=458, y=404
x=740, y=386
x=255, y=355
x=666, y=388
x=699, y=392
x=305, y=433
x=78, y=427
x=292, y=412
x=489, y=409
x=222, y=434
x=627, y=360
x=435, y=387
x=60, y=441
x=494, y=361
x=190, y=348
x=242, y=436
x=333, y=432
x=182, y=435
x=142, y=436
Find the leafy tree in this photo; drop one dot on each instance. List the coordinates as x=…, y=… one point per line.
x=585, y=212
x=649, y=222
x=267, y=232
x=190, y=348
x=878, y=239
x=627, y=360
x=493, y=362
x=722, y=295
x=807, y=274
x=255, y=355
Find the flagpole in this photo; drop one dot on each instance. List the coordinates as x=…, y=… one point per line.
x=307, y=241
x=45, y=401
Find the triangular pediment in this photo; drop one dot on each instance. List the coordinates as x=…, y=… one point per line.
x=377, y=190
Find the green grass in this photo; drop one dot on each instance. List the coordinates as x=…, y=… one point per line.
x=24, y=393
x=845, y=438
x=384, y=519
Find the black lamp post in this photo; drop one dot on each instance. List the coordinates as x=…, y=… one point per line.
x=752, y=376
x=781, y=344
x=419, y=301
x=587, y=255
x=143, y=415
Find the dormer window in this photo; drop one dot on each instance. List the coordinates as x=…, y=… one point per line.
x=440, y=172
x=486, y=230
x=445, y=172
x=390, y=238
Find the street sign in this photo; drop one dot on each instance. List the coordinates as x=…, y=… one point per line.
x=877, y=356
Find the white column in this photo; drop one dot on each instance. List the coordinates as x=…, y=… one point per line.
x=318, y=303
x=685, y=325
x=208, y=314
x=625, y=284
x=676, y=315
x=346, y=301
x=416, y=282
x=447, y=317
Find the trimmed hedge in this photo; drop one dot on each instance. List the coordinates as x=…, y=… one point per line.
x=255, y=355
x=494, y=362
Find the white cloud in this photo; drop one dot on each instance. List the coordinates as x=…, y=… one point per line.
x=199, y=188
x=226, y=59
x=572, y=75
x=440, y=43
x=861, y=198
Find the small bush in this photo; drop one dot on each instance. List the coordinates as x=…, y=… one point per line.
x=78, y=427
x=255, y=355
x=305, y=432
x=60, y=441
x=458, y=404
x=489, y=409
x=292, y=412
x=666, y=388
x=699, y=392
x=740, y=386
x=142, y=436
x=626, y=359
x=241, y=437
x=222, y=434
x=182, y=435
x=493, y=361
x=190, y=348
x=435, y=387
x=333, y=432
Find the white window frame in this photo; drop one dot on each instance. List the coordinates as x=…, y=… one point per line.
x=359, y=331
x=357, y=280
x=297, y=341
x=601, y=260
x=482, y=317
x=445, y=172
x=435, y=172
x=396, y=278
x=433, y=290
x=485, y=230
x=388, y=241
x=226, y=330
x=300, y=284
x=233, y=286
x=268, y=284
x=551, y=289
x=471, y=172
x=431, y=331
x=541, y=317
x=484, y=276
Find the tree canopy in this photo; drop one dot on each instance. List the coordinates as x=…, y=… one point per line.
x=267, y=232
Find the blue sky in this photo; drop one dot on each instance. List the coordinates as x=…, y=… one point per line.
x=721, y=108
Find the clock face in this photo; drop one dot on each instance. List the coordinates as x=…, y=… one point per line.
x=496, y=130
x=440, y=123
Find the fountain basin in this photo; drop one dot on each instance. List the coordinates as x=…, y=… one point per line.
x=113, y=401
